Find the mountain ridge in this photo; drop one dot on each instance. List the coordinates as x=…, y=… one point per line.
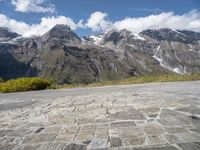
x=64, y=56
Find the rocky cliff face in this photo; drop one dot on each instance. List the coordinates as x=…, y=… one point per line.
x=61, y=55
x=178, y=51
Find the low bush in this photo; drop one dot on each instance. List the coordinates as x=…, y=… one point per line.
x=24, y=84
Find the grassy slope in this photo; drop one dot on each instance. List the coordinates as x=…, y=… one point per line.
x=29, y=84
x=140, y=79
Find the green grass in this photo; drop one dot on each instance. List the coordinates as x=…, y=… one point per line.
x=140, y=79
x=24, y=84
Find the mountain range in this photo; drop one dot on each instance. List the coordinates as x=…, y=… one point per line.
x=62, y=55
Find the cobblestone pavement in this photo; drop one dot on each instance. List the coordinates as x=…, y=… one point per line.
x=160, y=116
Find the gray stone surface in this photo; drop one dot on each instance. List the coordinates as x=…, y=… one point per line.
x=158, y=148
x=159, y=116
x=190, y=146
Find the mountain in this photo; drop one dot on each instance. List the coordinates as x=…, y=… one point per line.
x=61, y=33
x=62, y=55
x=178, y=51
x=6, y=34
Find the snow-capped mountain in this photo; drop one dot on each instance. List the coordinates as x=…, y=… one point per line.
x=63, y=55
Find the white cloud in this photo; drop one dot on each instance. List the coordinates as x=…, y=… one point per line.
x=16, y=26
x=48, y=23
x=36, y=29
x=189, y=21
x=98, y=21
x=33, y=6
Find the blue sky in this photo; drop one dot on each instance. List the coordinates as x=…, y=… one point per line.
x=113, y=13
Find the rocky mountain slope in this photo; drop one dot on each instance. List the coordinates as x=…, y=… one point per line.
x=62, y=55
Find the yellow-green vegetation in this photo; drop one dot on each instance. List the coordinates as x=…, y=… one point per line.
x=141, y=79
x=30, y=84
x=24, y=84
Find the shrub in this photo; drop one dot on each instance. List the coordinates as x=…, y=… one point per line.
x=24, y=84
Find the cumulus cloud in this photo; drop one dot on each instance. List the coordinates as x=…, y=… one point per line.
x=17, y=26
x=98, y=21
x=48, y=23
x=189, y=21
x=37, y=6
x=36, y=29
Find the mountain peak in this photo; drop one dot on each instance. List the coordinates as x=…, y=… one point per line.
x=116, y=36
x=61, y=27
x=6, y=33
x=61, y=32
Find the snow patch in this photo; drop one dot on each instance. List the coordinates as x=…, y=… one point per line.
x=159, y=59
x=8, y=42
x=190, y=45
x=131, y=45
x=137, y=37
x=164, y=65
x=158, y=48
x=178, y=32
x=97, y=39
x=191, y=48
x=83, y=40
x=177, y=70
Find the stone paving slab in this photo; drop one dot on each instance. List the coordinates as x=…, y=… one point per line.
x=161, y=116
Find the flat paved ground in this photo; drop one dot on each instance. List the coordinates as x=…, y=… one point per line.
x=160, y=116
